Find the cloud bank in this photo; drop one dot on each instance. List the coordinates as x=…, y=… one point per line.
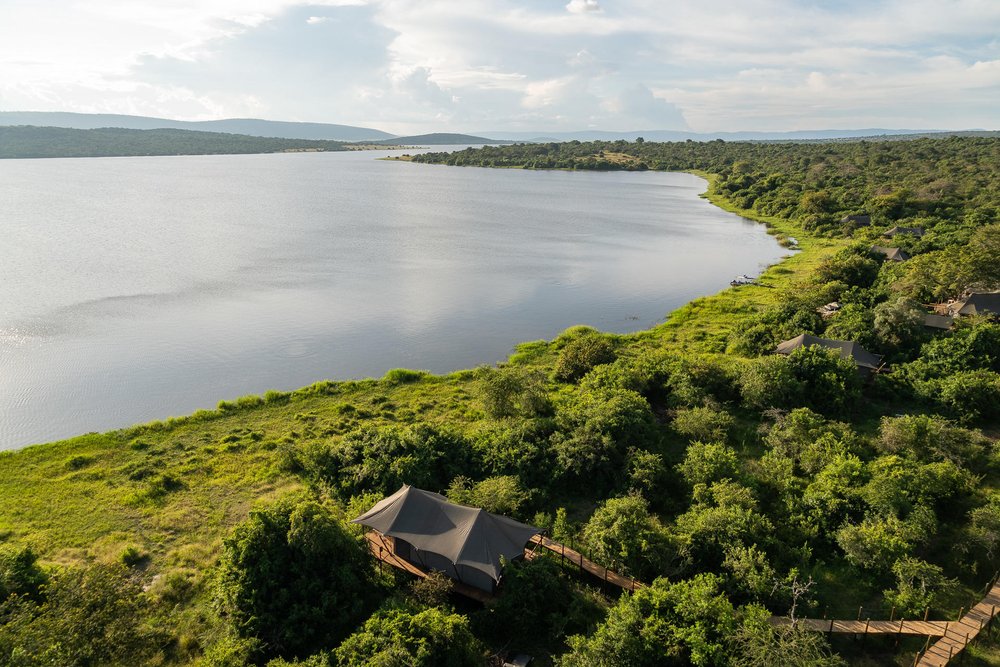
x=480, y=65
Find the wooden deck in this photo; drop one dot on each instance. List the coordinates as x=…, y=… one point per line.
x=598, y=571
x=383, y=552
x=963, y=631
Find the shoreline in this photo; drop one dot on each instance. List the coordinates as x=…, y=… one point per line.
x=673, y=323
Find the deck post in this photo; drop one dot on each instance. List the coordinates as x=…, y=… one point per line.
x=927, y=613
x=859, y=612
x=892, y=614
x=960, y=610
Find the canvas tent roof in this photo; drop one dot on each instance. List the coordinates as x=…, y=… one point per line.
x=893, y=254
x=979, y=303
x=848, y=349
x=464, y=535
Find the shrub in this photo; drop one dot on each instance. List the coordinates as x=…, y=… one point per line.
x=511, y=391
x=581, y=355
x=708, y=462
x=403, y=376
x=702, y=423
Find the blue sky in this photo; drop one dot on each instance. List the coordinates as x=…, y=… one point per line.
x=479, y=65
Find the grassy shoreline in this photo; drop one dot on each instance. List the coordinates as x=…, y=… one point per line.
x=173, y=488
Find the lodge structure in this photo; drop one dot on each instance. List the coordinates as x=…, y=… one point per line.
x=428, y=531
x=891, y=254
x=866, y=362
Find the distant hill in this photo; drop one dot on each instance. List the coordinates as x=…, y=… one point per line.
x=672, y=135
x=248, y=126
x=441, y=139
x=48, y=142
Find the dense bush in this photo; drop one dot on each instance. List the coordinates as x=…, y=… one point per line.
x=581, y=355
x=294, y=579
x=429, y=638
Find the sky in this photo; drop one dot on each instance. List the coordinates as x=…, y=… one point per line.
x=408, y=66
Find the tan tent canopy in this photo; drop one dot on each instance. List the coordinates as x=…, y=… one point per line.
x=464, y=542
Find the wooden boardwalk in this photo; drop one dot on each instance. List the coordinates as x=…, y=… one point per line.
x=963, y=631
x=954, y=636
x=868, y=627
x=590, y=567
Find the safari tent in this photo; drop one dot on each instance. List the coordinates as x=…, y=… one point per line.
x=863, y=359
x=465, y=543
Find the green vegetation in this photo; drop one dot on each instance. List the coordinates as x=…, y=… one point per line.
x=28, y=141
x=737, y=483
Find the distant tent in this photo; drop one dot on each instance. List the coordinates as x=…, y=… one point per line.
x=912, y=231
x=892, y=254
x=862, y=220
x=465, y=543
x=977, y=303
x=865, y=360
x=933, y=321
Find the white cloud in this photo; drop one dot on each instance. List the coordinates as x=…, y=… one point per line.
x=583, y=6
x=495, y=64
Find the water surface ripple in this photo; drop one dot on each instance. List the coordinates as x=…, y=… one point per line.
x=138, y=288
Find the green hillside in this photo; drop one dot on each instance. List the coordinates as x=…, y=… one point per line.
x=46, y=142
x=737, y=483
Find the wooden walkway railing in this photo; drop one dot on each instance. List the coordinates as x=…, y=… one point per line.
x=954, y=636
x=869, y=627
x=960, y=633
x=576, y=558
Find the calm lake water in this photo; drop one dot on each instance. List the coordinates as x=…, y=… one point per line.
x=134, y=289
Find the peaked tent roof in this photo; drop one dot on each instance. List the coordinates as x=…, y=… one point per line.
x=848, y=349
x=464, y=535
x=980, y=303
x=893, y=254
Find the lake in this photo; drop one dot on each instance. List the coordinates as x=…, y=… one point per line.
x=134, y=289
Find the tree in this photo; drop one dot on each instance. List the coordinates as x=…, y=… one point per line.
x=686, y=623
x=899, y=325
x=500, y=495
x=87, y=616
x=20, y=573
x=429, y=638
x=292, y=577
x=703, y=423
x=622, y=534
x=536, y=609
x=705, y=463
x=919, y=586
x=382, y=459
x=759, y=643
x=596, y=430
